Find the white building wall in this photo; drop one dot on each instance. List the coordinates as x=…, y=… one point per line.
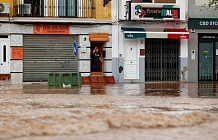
x=118, y=38
x=16, y=32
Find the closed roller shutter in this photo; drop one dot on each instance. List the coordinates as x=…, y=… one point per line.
x=43, y=54
x=162, y=60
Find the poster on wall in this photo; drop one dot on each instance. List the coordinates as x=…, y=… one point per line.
x=151, y=11
x=16, y=53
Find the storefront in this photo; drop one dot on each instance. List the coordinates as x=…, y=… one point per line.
x=30, y=52
x=45, y=54
x=203, y=49
x=152, y=40
x=155, y=53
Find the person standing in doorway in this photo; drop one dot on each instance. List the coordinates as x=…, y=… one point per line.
x=96, y=56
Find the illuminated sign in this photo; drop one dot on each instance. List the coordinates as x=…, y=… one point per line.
x=144, y=12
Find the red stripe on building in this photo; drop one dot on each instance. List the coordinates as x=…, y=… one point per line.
x=177, y=30
x=178, y=36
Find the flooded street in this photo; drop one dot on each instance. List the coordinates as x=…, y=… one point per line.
x=120, y=111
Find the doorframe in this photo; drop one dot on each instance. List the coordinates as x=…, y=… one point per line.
x=101, y=67
x=7, y=53
x=213, y=42
x=137, y=58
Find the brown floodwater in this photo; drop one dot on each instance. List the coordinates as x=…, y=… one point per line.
x=169, y=110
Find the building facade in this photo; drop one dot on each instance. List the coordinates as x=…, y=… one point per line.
x=37, y=36
x=150, y=40
x=203, y=42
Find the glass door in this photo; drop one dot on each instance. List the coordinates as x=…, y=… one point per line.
x=208, y=61
x=205, y=62
x=216, y=61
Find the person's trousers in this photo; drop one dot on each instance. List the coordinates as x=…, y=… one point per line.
x=95, y=67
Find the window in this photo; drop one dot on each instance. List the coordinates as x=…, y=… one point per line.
x=33, y=6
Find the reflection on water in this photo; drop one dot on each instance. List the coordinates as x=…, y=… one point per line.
x=174, y=89
x=98, y=89
x=208, y=89
x=163, y=89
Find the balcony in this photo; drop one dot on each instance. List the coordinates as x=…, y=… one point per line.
x=55, y=8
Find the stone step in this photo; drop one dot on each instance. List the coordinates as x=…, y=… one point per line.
x=4, y=76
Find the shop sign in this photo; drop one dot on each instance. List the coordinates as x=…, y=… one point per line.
x=135, y=35
x=51, y=29
x=202, y=23
x=143, y=12
x=16, y=53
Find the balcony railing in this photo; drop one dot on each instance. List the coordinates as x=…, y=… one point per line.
x=55, y=8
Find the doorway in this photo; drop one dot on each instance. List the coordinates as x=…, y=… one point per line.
x=131, y=70
x=100, y=47
x=162, y=60
x=4, y=56
x=208, y=58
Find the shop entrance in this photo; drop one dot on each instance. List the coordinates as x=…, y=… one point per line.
x=162, y=60
x=45, y=54
x=99, y=45
x=208, y=58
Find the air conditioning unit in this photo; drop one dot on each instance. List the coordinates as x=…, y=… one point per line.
x=4, y=8
x=23, y=9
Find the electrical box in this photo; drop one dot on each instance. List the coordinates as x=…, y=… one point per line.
x=104, y=53
x=83, y=49
x=4, y=8
x=192, y=54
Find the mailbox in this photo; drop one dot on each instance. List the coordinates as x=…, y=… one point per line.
x=104, y=53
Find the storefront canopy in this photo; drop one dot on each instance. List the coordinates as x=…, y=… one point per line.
x=98, y=37
x=155, y=33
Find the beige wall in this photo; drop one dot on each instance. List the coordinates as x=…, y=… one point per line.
x=201, y=2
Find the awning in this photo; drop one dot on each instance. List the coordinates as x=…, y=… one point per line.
x=98, y=37
x=155, y=33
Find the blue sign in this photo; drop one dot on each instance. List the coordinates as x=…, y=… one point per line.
x=135, y=35
x=74, y=48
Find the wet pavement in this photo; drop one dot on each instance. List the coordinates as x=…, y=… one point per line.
x=169, y=110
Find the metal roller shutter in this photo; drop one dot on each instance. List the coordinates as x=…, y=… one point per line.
x=162, y=60
x=43, y=54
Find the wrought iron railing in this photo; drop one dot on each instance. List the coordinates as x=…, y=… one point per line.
x=55, y=8
x=141, y=1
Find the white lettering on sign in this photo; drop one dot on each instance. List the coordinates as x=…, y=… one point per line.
x=206, y=23
x=208, y=37
x=183, y=36
x=213, y=23
x=130, y=35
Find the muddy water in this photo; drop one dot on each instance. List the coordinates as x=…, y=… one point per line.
x=117, y=111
